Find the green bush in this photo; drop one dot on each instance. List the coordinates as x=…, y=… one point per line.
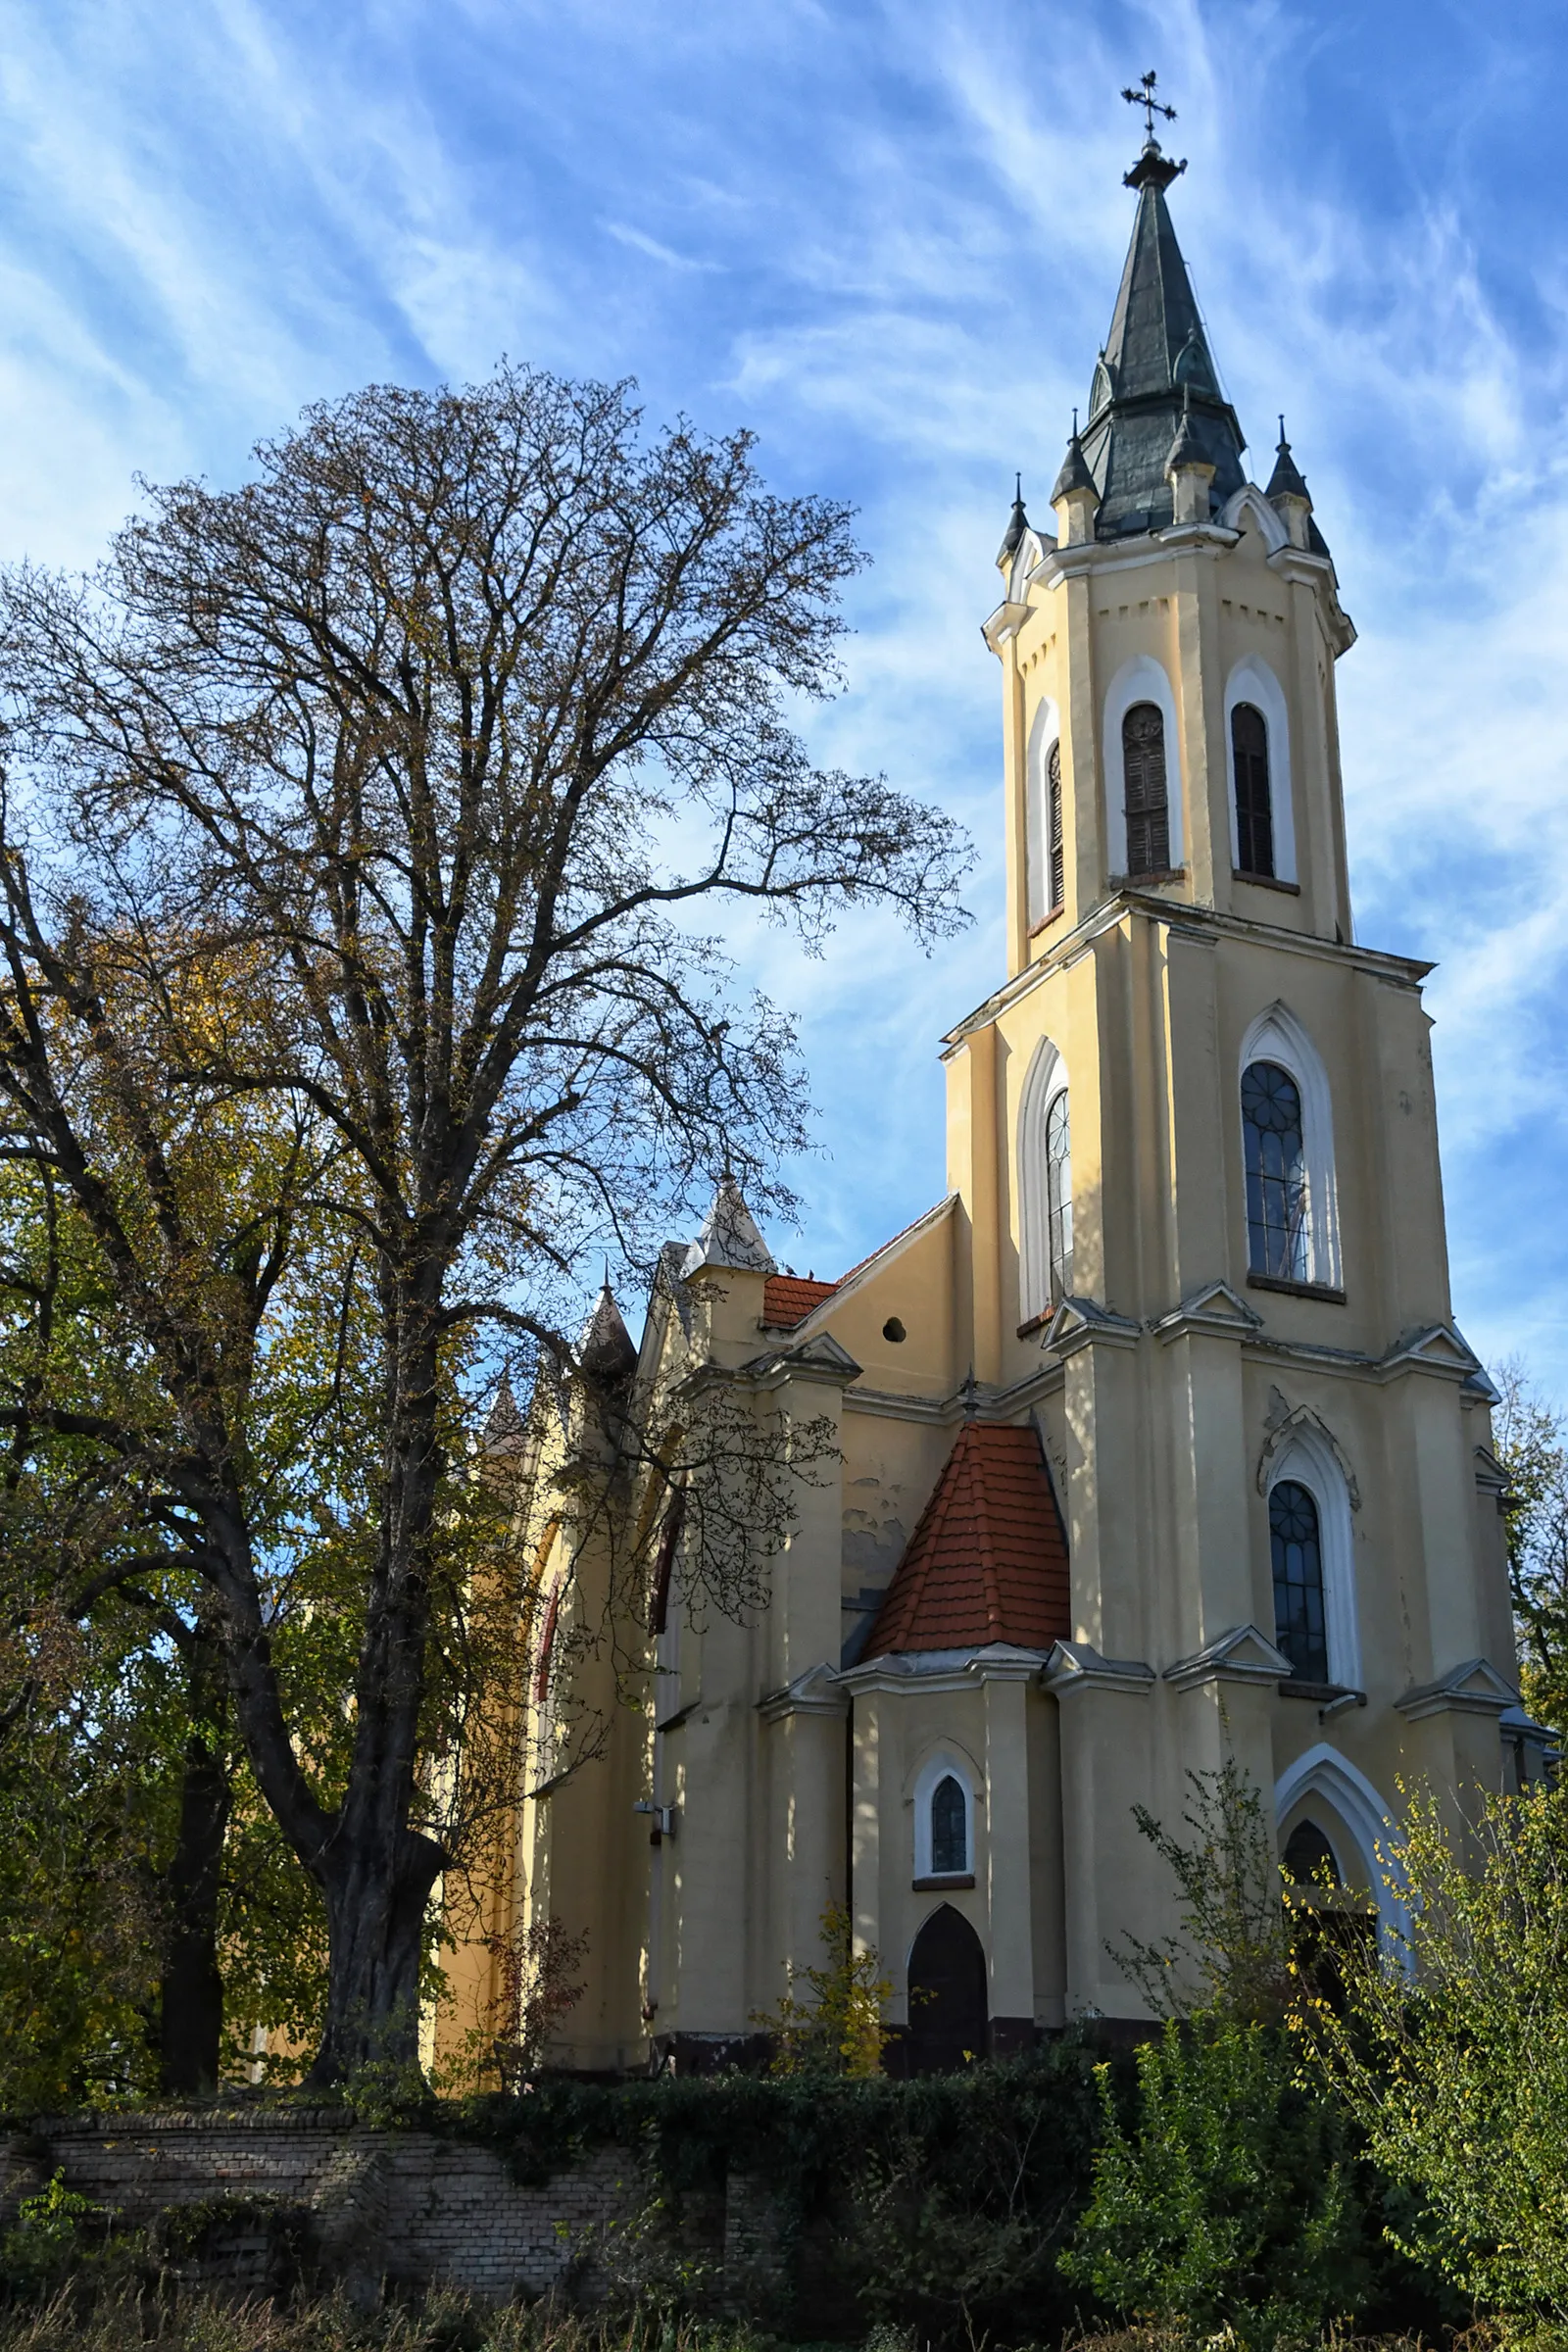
x=1232, y=2201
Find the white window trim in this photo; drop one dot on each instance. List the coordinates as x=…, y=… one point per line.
x=1045, y=731
x=1252, y=681
x=1047, y=1078
x=1141, y=680
x=1307, y=1459
x=933, y=1771
x=1278, y=1036
x=1322, y=1773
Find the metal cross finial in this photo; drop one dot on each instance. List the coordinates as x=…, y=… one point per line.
x=1144, y=96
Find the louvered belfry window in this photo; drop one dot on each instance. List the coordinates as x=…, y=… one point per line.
x=1143, y=762
x=1255, y=816
x=1055, y=849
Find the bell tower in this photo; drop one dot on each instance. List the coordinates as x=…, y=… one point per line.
x=1192, y=1139
x=1173, y=595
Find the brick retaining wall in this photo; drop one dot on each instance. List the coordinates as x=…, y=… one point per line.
x=410, y=2208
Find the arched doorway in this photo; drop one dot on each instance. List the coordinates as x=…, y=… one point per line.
x=946, y=1994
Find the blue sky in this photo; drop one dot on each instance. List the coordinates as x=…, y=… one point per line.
x=888, y=238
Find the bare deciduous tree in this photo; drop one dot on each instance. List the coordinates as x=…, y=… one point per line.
x=443, y=730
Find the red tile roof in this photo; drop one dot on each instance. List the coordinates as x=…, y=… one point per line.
x=788, y=1298
x=988, y=1561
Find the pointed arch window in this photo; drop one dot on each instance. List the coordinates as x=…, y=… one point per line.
x=1143, y=761
x=950, y=1827
x=1278, y=1224
x=1301, y=1623
x=1254, y=808
x=1056, y=851
x=1059, y=1196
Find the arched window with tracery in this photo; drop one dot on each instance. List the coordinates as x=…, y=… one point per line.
x=1254, y=808
x=1278, y=1228
x=1055, y=849
x=1059, y=1196
x=950, y=1829
x=1143, y=763
x=1301, y=1623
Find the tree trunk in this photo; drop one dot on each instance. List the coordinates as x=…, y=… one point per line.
x=191, y=2005
x=375, y=1928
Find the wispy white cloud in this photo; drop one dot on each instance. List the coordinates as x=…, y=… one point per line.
x=888, y=237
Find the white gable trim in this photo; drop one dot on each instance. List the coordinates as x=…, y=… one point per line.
x=1248, y=504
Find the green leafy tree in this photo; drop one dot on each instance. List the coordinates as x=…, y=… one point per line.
x=1453, y=2055
x=1533, y=1447
x=379, y=803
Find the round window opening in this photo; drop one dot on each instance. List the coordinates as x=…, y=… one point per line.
x=894, y=1330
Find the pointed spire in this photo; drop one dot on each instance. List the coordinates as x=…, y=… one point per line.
x=1017, y=524
x=504, y=1431
x=1286, y=480
x=607, y=1350
x=1075, y=474
x=1156, y=356
x=1187, y=452
x=728, y=1237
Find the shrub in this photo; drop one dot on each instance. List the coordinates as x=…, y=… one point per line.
x=1231, y=2202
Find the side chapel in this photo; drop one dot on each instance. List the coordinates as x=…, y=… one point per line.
x=1156, y=1438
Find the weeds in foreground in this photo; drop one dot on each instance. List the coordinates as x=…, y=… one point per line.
x=441, y=2323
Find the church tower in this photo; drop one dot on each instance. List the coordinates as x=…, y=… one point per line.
x=1154, y=1443
x=1195, y=1137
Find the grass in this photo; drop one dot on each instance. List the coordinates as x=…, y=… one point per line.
x=449, y=2322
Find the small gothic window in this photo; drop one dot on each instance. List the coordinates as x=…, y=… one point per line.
x=1299, y=1627
x=1055, y=847
x=1059, y=1196
x=950, y=1829
x=1309, y=1858
x=1278, y=1231
x=1254, y=815
x=1143, y=761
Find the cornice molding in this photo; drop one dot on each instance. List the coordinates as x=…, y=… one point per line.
x=1474, y=1689
x=1079, y=1666
x=1243, y=1655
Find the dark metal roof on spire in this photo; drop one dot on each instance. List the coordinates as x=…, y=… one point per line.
x=1075, y=474
x=1286, y=480
x=607, y=1350
x=1156, y=352
x=1017, y=524
x=1186, y=449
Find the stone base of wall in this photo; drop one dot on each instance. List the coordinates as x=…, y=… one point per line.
x=366, y=2209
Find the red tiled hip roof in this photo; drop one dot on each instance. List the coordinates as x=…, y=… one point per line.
x=988, y=1561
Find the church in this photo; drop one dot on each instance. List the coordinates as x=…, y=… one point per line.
x=1154, y=1441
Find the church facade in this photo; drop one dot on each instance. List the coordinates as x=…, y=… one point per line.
x=1153, y=1441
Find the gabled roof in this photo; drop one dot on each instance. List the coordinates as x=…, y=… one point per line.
x=788, y=1298
x=988, y=1561
x=1155, y=353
